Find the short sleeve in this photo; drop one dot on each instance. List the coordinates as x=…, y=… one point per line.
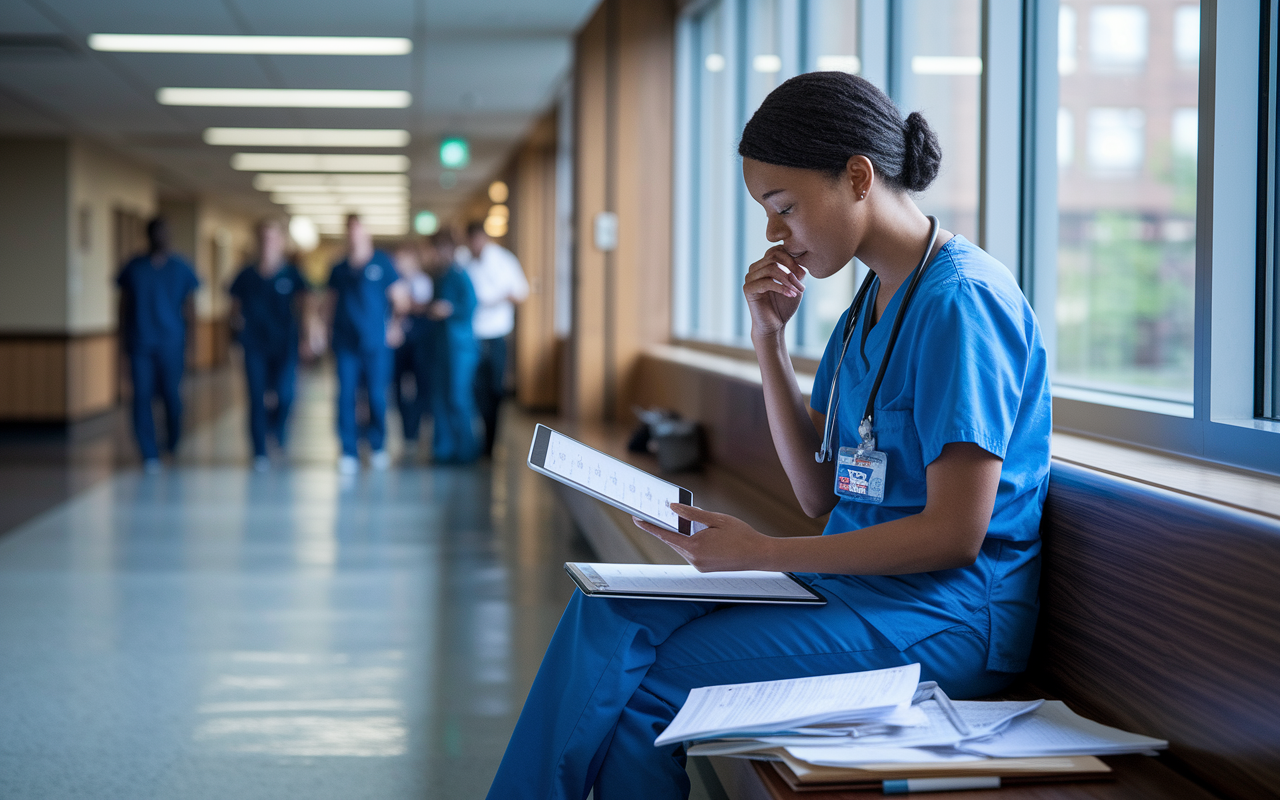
x=974, y=359
x=827, y=367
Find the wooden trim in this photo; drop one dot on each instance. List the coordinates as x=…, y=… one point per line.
x=47, y=377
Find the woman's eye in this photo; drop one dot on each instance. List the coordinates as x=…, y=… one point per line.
x=785, y=211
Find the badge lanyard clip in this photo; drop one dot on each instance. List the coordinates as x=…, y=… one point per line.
x=860, y=471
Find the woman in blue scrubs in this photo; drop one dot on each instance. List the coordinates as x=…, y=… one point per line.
x=943, y=570
x=455, y=355
x=267, y=297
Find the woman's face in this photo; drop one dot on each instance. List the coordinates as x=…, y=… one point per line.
x=812, y=214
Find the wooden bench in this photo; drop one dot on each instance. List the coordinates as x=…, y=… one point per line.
x=1160, y=614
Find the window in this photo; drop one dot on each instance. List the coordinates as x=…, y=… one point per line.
x=1125, y=304
x=1161, y=310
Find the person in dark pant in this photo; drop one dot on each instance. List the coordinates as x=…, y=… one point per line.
x=454, y=357
x=499, y=284
x=362, y=302
x=267, y=298
x=155, y=303
x=411, y=379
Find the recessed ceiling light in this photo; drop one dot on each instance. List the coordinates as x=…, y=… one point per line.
x=284, y=98
x=271, y=181
x=305, y=137
x=317, y=162
x=258, y=45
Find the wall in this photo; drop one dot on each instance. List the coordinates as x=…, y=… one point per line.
x=33, y=232
x=624, y=77
x=57, y=269
x=100, y=184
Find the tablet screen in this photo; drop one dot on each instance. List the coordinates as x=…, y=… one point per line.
x=606, y=477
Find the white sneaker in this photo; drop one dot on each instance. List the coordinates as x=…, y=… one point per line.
x=348, y=465
x=261, y=464
x=151, y=466
x=380, y=460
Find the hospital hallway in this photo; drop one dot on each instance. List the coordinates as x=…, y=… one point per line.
x=212, y=632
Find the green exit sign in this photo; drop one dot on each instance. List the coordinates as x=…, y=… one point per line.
x=455, y=153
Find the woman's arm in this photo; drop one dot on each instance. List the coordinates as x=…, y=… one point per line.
x=773, y=295
x=947, y=534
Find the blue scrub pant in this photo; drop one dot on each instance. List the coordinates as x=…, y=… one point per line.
x=491, y=385
x=157, y=370
x=413, y=358
x=617, y=671
x=453, y=406
x=372, y=369
x=276, y=373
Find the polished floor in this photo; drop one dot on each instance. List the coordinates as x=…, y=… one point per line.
x=211, y=632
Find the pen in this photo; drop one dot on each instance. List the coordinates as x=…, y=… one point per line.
x=944, y=702
x=907, y=785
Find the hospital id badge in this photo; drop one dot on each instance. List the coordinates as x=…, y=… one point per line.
x=860, y=474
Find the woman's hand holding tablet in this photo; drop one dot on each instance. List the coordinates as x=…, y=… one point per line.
x=722, y=542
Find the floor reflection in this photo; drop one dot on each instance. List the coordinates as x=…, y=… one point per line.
x=213, y=632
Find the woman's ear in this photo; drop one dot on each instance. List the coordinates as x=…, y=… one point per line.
x=861, y=175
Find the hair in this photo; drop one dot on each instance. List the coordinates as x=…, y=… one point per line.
x=475, y=227
x=820, y=120
x=352, y=218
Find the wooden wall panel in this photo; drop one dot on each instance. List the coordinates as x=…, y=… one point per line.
x=624, y=103
x=533, y=207
x=52, y=378
x=585, y=385
x=91, y=374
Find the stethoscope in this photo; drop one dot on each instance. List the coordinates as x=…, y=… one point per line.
x=867, y=427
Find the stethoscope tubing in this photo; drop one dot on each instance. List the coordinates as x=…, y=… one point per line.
x=850, y=323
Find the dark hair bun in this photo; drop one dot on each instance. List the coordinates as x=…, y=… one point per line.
x=819, y=120
x=923, y=156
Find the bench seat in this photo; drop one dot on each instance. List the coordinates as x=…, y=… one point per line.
x=1159, y=614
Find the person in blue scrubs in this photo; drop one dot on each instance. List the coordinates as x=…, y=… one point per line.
x=267, y=299
x=155, y=304
x=943, y=572
x=411, y=376
x=363, y=301
x=455, y=356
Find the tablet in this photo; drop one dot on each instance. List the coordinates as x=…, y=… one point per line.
x=684, y=582
x=606, y=478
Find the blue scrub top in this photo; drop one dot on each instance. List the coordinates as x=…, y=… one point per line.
x=455, y=334
x=360, y=316
x=269, y=308
x=969, y=366
x=154, y=301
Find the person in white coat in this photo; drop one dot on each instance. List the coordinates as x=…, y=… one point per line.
x=500, y=284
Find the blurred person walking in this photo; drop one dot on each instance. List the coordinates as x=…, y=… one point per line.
x=455, y=354
x=412, y=357
x=363, y=301
x=267, y=306
x=155, y=308
x=499, y=284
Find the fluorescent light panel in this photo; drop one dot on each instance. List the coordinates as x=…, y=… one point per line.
x=305, y=137
x=257, y=45
x=306, y=198
x=284, y=98
x=317, y=162
x=269, y=181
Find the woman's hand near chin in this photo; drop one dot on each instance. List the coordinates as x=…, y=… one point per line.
x=724, y=543
x=773, y=288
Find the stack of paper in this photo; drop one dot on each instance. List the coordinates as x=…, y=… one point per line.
x=773, y=708
x=867, y=720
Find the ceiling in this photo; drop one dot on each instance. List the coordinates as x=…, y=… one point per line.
x=481, y=69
